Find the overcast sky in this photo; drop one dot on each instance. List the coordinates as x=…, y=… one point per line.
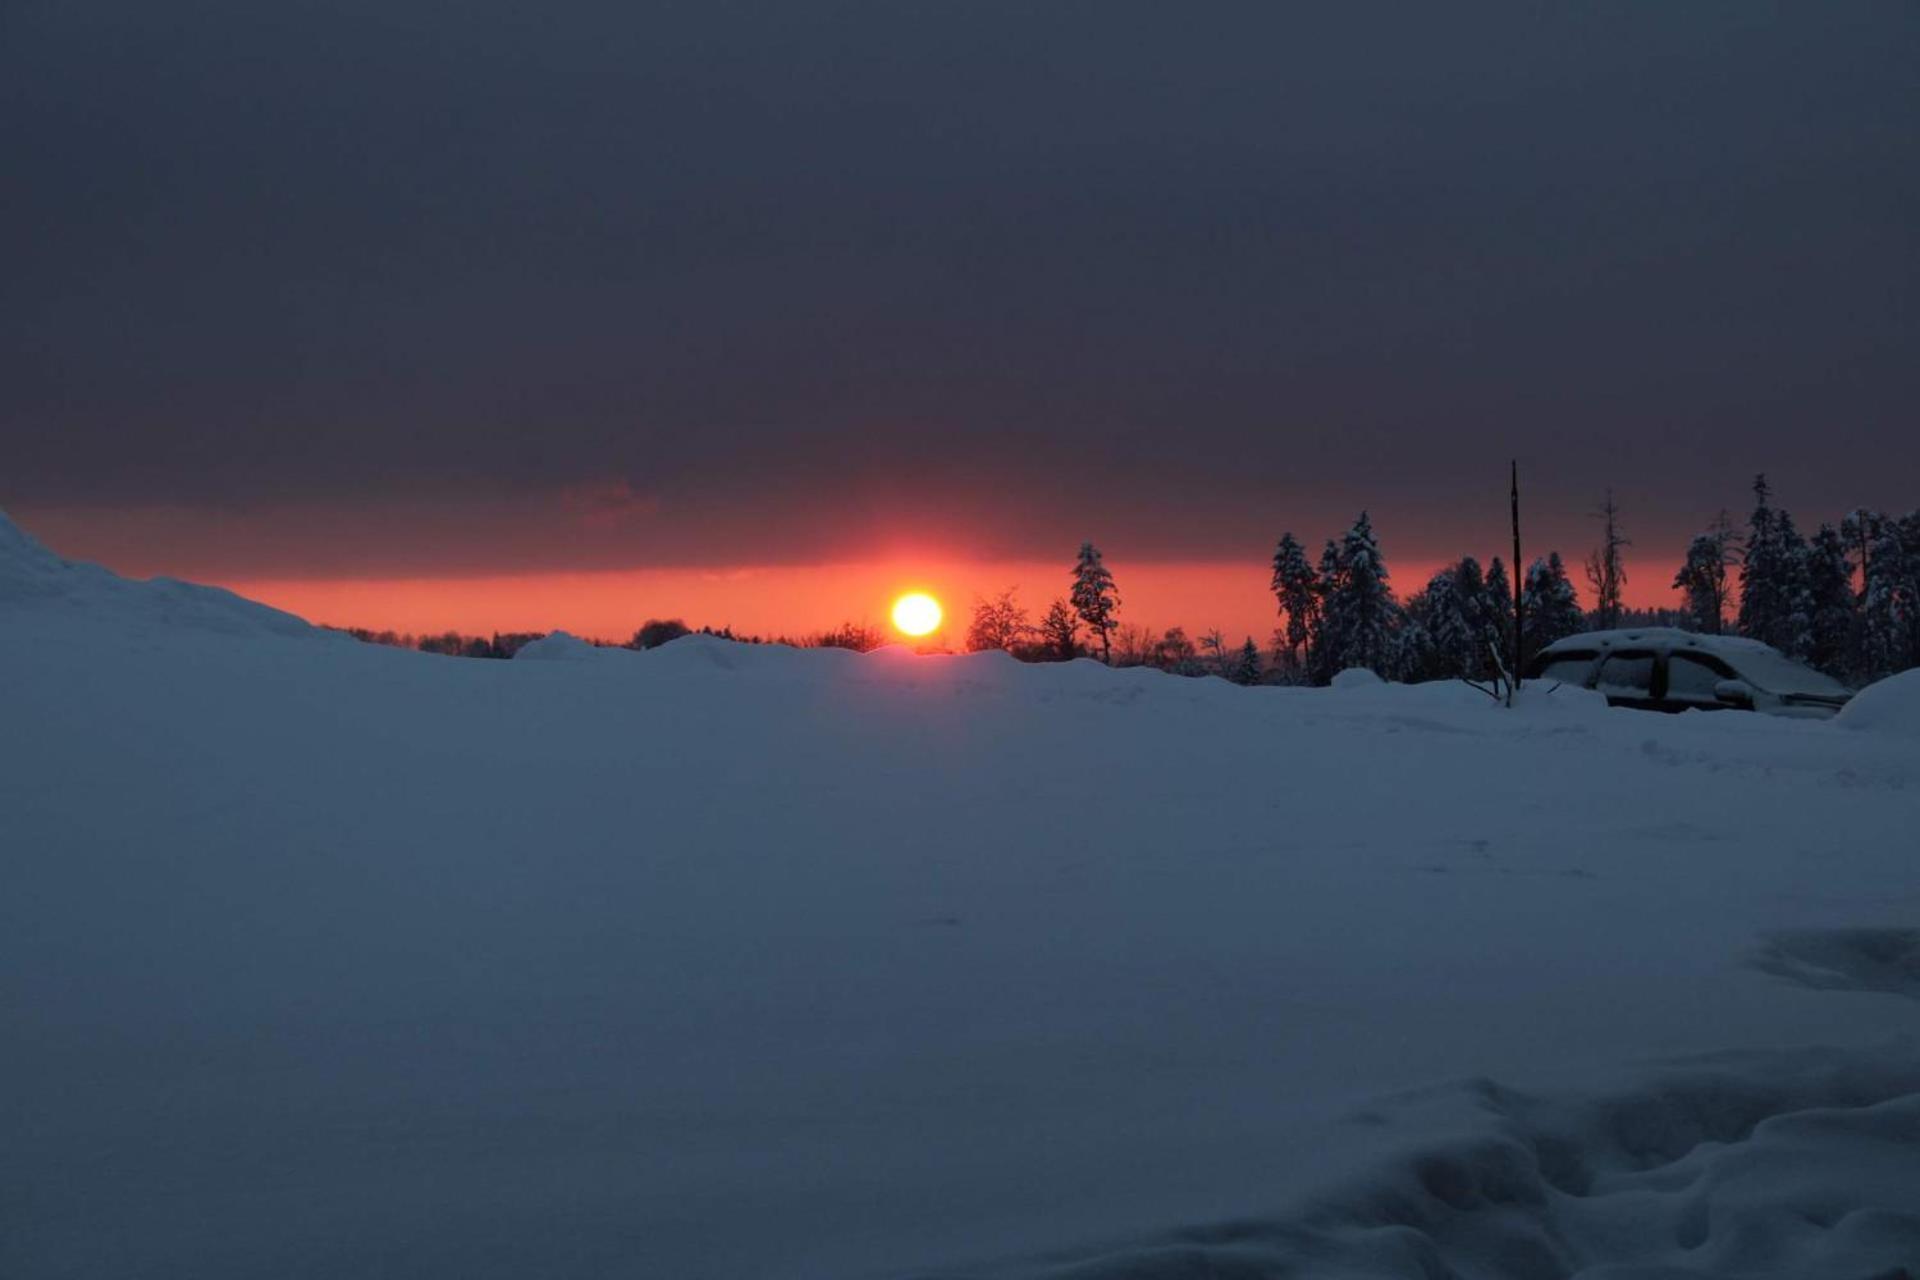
x=403, y=286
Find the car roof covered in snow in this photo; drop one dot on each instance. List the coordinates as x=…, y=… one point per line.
x=1759, y=664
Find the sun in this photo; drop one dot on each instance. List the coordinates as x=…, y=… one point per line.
x=917, y=614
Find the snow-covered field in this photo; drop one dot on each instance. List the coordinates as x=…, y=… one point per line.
x=320, y=959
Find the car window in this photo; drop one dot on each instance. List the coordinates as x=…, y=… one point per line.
x=1567, y=668
x=1691, y=678
x=1627, y=675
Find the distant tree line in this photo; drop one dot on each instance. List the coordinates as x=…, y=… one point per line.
x=1846, y=601
x=450, y=643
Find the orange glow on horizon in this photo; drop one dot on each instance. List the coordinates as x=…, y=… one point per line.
x=771, y=602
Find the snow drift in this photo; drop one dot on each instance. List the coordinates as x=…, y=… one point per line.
x=32, y=576
x=1886, y=706
x=728, y=961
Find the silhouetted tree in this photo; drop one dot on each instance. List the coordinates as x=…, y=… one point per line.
x=1703, y=576
x=1247, y=670
x=1606, y=570
x=998, y=623
x=1775, y=602
x=849, y=635
x=1833, y=622
x=1296, y=587
x=1361, y=615
x=1551, y=606
x=1060, y=632
x=655, y=632
x=1094, y=597
x=1892, y=605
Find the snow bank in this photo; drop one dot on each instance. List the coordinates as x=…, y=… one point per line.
x=1886, y=706
x=32, y=577
x=559, y=646
x=1357, y=678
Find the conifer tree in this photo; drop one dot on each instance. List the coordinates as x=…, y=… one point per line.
x=1094, y=597
x=1762, y=594
x=1835, y=634
x=1362, y=617
x=1446, y=641
x=1550, y=604
x=1321, y=659
x=1775, y=604
x=1247, y=670
x=1296, y=587
x=1892, y=606
x=1499, y=613
x=1859, y=529
x=1796, y=639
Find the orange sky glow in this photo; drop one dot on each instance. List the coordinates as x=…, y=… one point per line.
x=784, y=600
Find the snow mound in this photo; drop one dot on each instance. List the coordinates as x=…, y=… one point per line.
x=1888, y=706
x=560, y=646
x=1357, y=678
x=1734, y=1164
x=33, y=578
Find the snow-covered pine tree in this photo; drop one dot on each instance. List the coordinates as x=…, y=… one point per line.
x=1094, y=597
x=1418, y=658
x=1763, y=603
x=1247, y=670
x=1060, y=632
x=1834, y=623
x=1362, y=615
x=1498, y=615
x=1321, y=664
x=1296, y=587
x=1550, y=604
x=1447, y=613
x=1470, y=597
x=1858, y=529
x=1892, y=613
x=1796, y=640
x=1606, y=570
x=1775, y=605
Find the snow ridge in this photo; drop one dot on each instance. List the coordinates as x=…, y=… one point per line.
x=34, y=580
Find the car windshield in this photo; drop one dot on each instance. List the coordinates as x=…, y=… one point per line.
x=1765, y=669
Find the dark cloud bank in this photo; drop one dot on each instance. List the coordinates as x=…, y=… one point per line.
x=629, y=284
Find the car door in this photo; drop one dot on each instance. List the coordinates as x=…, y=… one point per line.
x=1626, y=677
x=1691, y=681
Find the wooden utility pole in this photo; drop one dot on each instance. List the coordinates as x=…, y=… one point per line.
x=1519, y=574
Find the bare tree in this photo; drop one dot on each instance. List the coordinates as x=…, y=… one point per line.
x=1220, y=659
x=1134, y=646
x=1606, y=571
x=998, y=623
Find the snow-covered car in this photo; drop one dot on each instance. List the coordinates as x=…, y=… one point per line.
x=1666, y=669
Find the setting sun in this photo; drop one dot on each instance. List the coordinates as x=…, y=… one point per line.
x=917, y=614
